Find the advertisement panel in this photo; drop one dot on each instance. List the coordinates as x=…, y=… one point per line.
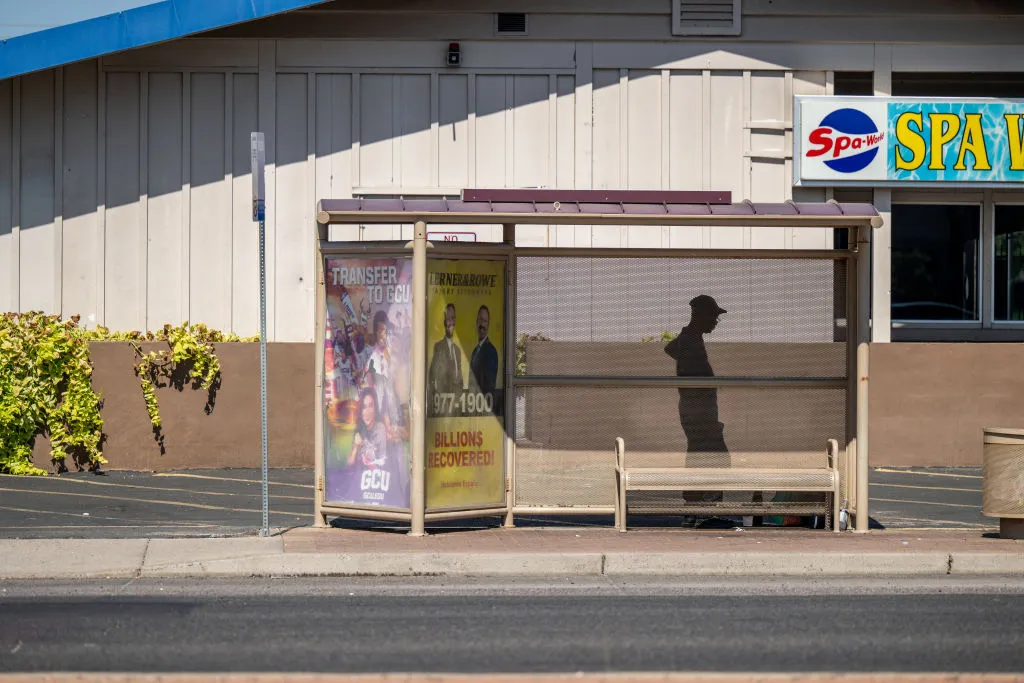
x=367, y=377
x=465, y=435
x=890, y=141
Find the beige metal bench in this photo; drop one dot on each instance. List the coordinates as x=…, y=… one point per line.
x=680, y=479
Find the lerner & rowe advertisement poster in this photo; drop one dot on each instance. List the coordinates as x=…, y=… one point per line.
x=894, y=141
x=465, y=436
x=367, y=352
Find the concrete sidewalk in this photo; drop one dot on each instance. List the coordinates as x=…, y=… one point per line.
x=529, y=551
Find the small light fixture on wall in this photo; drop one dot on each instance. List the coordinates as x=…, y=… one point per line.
x=454, y=55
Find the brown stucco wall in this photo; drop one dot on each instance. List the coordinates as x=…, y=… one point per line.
x=929, y=402
x=227, y=437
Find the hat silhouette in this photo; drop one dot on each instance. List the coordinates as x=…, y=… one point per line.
x=705, y=303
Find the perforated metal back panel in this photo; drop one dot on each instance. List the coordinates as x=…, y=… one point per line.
x=785, y=317
x=1003, y=490
x=613, y=317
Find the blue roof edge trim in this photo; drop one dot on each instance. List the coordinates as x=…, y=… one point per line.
x=146, y=25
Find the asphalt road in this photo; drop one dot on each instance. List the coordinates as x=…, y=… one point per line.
x=347, y=625
x=193, y=503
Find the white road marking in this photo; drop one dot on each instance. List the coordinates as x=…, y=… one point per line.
x=247, y=481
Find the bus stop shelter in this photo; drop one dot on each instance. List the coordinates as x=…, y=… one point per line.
x=463, y=379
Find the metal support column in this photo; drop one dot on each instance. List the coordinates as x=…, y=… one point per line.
x=863, y=336
x=850, y=457
x=418, y=391
x=319, y=518
x=508, y=233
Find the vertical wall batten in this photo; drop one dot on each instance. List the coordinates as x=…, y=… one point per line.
x=308, y=226
x=143, y=216
x=622, y=230
x=624, y=128
x=356, y=130
x=101, y=194
x=552, y=176
x=397, y=137
x=584, y=118
x=267, y=123
x=435, y=127
x=509, y=115
x=16, y=194
x=665, y=111
x=471, y=128
x=58, y=191
x=787, y=145
x=7, y=253
x=748, y=162
x=186, y=197
x=705, y=146
x=229, y=137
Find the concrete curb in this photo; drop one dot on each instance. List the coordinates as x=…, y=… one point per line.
x=390, y=564
x=823, y=563
x=987, y=563
x=248, y=557
x=71, y=558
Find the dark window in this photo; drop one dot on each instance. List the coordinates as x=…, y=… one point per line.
x=962, y=84
x=935, y=261
x=853, y=83
x=1009, y=264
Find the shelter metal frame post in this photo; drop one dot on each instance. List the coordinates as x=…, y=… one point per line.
x=508, y=233
x=863, y=337
x=852, y=326
x=418, y=392
x=319, y=517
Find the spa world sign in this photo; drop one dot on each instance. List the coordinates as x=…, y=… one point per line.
x=879, y=141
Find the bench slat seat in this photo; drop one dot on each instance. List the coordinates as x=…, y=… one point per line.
x=790, y=480
x=727, y=479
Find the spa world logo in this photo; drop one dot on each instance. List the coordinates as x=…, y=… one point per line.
x=846, y=139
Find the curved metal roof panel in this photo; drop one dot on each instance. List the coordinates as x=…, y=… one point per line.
x=392, y=210
x=154, y=23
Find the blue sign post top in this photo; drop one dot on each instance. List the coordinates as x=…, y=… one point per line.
x=892, y=141
x=153, y=23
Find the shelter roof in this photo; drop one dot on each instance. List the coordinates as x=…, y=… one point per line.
x=640, y=208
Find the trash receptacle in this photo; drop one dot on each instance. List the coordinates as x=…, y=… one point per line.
x=1003, y=480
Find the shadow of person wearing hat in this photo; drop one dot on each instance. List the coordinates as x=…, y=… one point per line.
x=698, y=407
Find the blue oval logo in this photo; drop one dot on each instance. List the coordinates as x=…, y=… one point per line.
x=848, y=138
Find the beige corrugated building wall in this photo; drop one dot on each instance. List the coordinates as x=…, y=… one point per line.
x=124, y=180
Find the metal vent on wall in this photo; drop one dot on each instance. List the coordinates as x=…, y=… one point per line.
x=706, y=17
x=511, y=22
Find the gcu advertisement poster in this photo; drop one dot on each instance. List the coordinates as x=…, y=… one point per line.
x=465, y=437
x=888, y=141
x=367, y=351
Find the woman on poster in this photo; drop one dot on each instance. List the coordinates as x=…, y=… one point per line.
x=377, y=476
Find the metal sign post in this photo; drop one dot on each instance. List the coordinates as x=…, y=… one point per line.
x=257, y=157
